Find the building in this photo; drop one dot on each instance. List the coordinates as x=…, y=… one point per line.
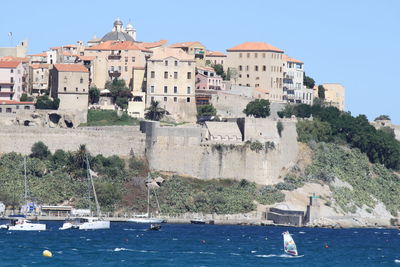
x=70, y=83
x=10, y=107
x=193, y=48
x=17, y=51
x=171, y=81
x=11, y=80
x=118, y=33
x=215, y=57
x=38, y=78
x=259, y=65
x=293, y=75
x=334, y=94
x=207, y=79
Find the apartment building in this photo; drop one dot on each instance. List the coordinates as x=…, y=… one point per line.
x=258, y=65
x=193, y=48
x=70, y=83
x=207, y=79
x=11, y=80
x=171, y=81
x=215, y=57
x=293, y=75
x=38, y=78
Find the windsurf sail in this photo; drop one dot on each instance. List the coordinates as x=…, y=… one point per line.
x=288, y=244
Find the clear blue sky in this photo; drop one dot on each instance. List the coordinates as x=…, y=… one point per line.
x=352, y=42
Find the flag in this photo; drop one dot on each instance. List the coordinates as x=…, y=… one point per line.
x=10, y=34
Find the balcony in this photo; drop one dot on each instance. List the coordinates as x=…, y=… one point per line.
x=114, y=73
x=114, y=57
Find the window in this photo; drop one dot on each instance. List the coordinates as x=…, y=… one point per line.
x=17, y=107
x=165, y=99
x=248, y=76
x=247, y=68
x=176, y=63
x=263, y=55
x=65, y=89
x=81, y=81
x=257, y=85
x=188, y=99
x=8, y=110
x=280, y=69
x=248, y=55
x=1, y=110
x=11, y=79
x=126, y=68
x=256, y=68
x=152, y=74
x=166, y=62
x=188, y=91
x=255, y=55
x=84, y=89
x=240, y=68
x=240, y=55
x=175, y=99
x=152, y=89
x=175, y=89
x=133, y=59
x=76, y=89
x=175, y=75
x=240, y=75
x=189, y=63
x=165, y=89
x=264, y=68
x=152, y=99
x=165, y=74
x=126, y=59
x=189, y=75
x=12, y=71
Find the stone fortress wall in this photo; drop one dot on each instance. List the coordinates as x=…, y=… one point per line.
x=115, y=140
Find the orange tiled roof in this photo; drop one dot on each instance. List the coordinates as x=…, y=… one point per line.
x=184, y=44
x=290, y=59
x=10, y=58
x=118, y=45
x=70, y=45
x=13, y=102
x=166, y=52
x=9, y=64
x=55, y=48
x=39, y=66
x=154, y=44
x=206, y=69
x=71, y=67
x=254, y=46
x=215, y=54
x=86, y=58
x=39, y=55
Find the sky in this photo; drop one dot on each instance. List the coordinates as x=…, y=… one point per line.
x=355, y=43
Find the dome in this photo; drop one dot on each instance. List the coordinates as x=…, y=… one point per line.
x=129, y=27
x=117, y=36
x=117, y=22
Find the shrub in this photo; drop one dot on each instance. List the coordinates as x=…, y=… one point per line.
x=256, y=146
x=40, y=150
x=258, y=108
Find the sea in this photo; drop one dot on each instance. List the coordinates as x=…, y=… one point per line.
x=129, y=244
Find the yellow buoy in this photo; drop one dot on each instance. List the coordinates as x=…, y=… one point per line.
x=47, y=253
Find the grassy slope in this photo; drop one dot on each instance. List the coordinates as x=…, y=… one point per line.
x=108, y=118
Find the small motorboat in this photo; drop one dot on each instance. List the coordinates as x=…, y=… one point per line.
x=197, y=221
x=155, y=227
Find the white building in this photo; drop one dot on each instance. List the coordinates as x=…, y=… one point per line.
x=11, y=80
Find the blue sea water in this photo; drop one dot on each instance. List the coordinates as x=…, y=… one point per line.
x=128, y=244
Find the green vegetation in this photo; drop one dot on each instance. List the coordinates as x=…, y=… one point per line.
x=382, y=117
x=155, y=112
x=108, y=118
x=206, y=110
x=321, y=92
x=269, y=195
x=40, y=150
x=370, y=182
x=308, y=82
x=258, y=108
x=219, y=69
x=379, y=145
x=44, y=102
x=120, y=93
x=25, y=98
x=94, y=95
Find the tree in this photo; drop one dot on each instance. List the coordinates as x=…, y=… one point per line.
x=40, y=150
x=80, y=156
x=44, y=102
x=321, y=92
x=122, y=102
x=206, y=110
x=119, y=89
x=258, y=108
x=308, y=82
x=25, y=98
x=382, y=118
x=94, y=95
x=155, y=112
x=219, y=69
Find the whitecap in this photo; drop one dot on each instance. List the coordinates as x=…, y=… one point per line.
x=88, y=239
x=235, y=254
x=396, y=261
x=302, y=232
x=267, y=256
x=253, y=251
x=74, y=249
x=174, y=239
x=206, y=252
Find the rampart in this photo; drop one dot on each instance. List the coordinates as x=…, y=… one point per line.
x=111, y=140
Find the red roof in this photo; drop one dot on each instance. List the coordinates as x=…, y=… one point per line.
x=13, y=102
x=184, y=44
x=39, y=66
x=86, y=58
x=254, y=46
x=10, y=58
x=154, y=44
x=215, y=54
x=71, y=67
x=290, y=59
x=118, y=45
x=9, y=64
x=39, y=55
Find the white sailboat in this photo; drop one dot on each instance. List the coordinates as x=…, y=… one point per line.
x=88, y=223
x=146, y=218
x=21, y=223
x=288, y=244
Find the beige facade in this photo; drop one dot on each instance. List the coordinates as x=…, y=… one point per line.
x=70, y=83
x=215, y=58
x=38, y=78
x=11, y=80
x=334, y=94
x=17, y=51
x=193, y=48
x=258, y=65
x=171, y=81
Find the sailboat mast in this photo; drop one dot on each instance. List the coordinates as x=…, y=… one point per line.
x=25, y=182
x=94, y=190
x=148, y=201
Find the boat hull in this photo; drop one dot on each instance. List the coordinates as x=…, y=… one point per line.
x=28, y=227
x=146, y=220
x=95, y=225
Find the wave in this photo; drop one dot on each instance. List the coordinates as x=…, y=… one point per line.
x=133, y=250
x=278, y=256
x=396, y=261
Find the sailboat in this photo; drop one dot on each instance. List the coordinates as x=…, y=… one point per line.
x=88, y=223
x=288, y=244
x=21, y=223
x=145, y=218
